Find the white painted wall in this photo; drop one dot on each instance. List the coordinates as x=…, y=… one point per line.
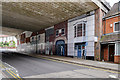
x=31, y=48
x=90, y=36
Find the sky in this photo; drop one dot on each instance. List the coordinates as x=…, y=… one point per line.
x=112, y=2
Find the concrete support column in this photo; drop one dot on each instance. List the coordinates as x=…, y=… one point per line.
x=98, y=32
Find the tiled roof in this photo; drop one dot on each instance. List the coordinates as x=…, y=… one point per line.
x=109, y=38
x=114, y=10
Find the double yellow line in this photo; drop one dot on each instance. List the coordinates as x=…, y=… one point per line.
x=12, y=73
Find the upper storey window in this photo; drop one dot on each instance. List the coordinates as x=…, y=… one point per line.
x=79, y=30
x=117, y=27
x=57, y=32
x=63, y=31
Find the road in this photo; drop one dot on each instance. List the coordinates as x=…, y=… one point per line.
x=30, y=67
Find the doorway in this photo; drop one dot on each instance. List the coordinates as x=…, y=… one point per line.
x=60, y=48
x=111, y=52
x=80, y=47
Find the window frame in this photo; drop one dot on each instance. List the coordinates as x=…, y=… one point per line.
x=33, y=39
x=75, y=31
x=56, y=32
x=83, y=33
x=114, y=26
x=38, y=37
x=64, y=31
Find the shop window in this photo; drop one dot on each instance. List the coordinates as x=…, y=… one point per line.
x=63, y=31
x=117, y=27
x=57, y=32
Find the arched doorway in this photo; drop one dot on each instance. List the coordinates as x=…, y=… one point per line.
x=60, y=47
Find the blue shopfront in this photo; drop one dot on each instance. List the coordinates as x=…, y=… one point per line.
x=80, y=50
x=60, y=47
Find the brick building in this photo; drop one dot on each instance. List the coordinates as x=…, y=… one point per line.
x=110, y=41
x=60, y=42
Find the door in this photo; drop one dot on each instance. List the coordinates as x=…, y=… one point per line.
x=111, y=52
x=60, y=48
x=79, y=51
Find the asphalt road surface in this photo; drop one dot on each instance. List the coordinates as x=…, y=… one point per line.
x=30, y=67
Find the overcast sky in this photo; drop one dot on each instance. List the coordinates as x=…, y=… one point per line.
x=112, y=2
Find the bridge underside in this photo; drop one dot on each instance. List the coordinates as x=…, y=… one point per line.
x=33, y=16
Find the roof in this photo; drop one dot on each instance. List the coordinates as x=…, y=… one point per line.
x=115, y=10
x=109, y=38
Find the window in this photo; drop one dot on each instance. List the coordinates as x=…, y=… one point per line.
x=79, y=30
x=32, y=38
x=117, y=26
x=57, y=32
x=84, y=29
x=63, y=31
x=38, y=37
x=75, y=31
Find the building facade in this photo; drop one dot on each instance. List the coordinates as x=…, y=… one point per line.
x=110, y=42
x=49, y=41
x=60, y=41
x=81, y=36
x=77, y=37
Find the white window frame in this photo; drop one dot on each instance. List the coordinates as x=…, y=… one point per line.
x=82, y=28
x=114, y=26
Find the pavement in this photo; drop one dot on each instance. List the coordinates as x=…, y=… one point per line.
x=97, y=64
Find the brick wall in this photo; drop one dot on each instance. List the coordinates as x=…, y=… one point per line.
x=117, y=59
x=108, y=26
x=60, y=26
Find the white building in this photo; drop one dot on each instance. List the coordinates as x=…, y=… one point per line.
x=81, y=36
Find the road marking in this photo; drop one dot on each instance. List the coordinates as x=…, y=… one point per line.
x=4, y=74
x=80, y=65
x=11, y=72
x=14, y=73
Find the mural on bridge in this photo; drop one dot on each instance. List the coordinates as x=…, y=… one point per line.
x=10, y=44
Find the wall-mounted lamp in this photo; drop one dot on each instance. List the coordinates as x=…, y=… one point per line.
x=111, y=25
